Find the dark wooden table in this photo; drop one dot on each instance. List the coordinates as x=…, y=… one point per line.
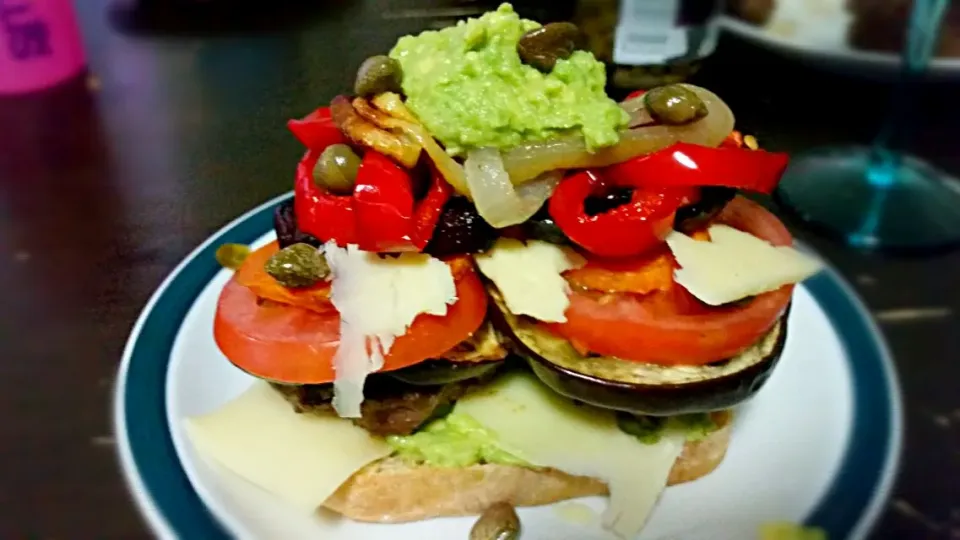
x=105, y=184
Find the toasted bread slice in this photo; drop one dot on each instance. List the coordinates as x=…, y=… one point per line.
x=392, y=491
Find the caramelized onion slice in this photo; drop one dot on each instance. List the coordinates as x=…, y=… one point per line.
x=401, y=119
x=498, y=201
x=528, y=161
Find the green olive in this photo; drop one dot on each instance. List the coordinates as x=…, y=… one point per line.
x=376, y=75
x=336, y=170
x=542, y=47
x=498, y=522
x=299, y=265
x=674, y=104
x=231, y=256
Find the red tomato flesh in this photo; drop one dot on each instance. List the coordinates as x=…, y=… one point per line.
x=671, y=327
x=295, y=345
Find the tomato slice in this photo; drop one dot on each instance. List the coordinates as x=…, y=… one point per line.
x=252, y=275
x=669, y=327
x=296, y=345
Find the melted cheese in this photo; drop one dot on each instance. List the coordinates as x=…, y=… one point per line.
x=734, y=265
x=302, y=458
x=529, y=276
x=548, y=430
x=378, y=298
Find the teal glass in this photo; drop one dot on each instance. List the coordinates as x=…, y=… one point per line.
x=878, y=197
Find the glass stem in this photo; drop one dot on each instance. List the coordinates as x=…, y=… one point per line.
x=882, y=170
x=921, y=41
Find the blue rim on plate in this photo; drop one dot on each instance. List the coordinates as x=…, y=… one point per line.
x=165, y=496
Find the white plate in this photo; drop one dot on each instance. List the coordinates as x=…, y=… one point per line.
x=819, y=444
x=815, y=31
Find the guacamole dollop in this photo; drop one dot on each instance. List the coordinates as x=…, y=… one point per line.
x=458, y=440
x=455, y=441
x=469, y=88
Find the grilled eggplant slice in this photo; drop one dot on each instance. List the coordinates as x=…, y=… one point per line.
x=636, y=387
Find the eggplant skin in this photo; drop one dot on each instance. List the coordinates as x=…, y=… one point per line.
x=641, y=388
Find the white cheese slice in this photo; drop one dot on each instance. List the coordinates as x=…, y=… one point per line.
x=528, y=276
x=547, y=430
x=302, y=458
x=378, y=298
x=734, y=265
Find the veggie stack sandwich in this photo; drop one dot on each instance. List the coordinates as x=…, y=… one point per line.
x=496, y=284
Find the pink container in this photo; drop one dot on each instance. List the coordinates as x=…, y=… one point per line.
x=40, y=44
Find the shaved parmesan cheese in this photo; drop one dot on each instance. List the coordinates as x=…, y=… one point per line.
x=378, y=298
x=302, y=458
x=529, y=276
x=734, y=265
x=547, y=430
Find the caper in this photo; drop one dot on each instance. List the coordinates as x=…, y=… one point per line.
x=542, y=47
x=231, y=256
x=498, y=522
x=674, y=104
x=336, y=170
x=376, y=75
x=299, y=265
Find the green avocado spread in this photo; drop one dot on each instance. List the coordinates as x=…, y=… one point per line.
x=467, y=85
x=460, y=441
x=649, y=429
x=455, y=441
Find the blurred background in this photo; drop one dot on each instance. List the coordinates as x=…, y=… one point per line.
x=166, y=120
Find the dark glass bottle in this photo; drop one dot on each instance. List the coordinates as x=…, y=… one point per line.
x=648, y=43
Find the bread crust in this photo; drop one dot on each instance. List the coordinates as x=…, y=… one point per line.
x=391, y=491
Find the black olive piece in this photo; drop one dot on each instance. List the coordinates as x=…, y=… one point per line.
x=420, y=178
x=541, y=226
x=285, y=225
x=614, y=198
x=694, y=216
x=460, y=230
x=546, y=230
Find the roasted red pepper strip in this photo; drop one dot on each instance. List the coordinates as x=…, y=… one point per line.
x=319, y=212
x=316, y=131
x=383, y=205
x=429, y=210
x=631, y=229
x=387, y=219
x=381, y=214
x=691, y=165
